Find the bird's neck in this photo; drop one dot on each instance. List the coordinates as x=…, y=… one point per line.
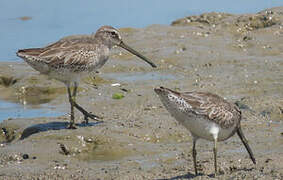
x=102, y=40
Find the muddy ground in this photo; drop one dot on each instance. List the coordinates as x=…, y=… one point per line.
x=236, y=56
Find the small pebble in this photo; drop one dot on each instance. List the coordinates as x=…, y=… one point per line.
x=25, y=156
x=123, y=89
x=267, y=160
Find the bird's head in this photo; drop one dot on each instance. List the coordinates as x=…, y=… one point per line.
x=111, y=37
x=164, y=92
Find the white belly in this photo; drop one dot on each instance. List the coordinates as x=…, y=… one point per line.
x=203, y=128
x=70, y=74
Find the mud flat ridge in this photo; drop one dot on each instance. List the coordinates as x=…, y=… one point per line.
x=236, y=56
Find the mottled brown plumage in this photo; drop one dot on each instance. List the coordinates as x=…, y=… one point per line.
x=213, y=107
x=205, y=115
x=74, y=56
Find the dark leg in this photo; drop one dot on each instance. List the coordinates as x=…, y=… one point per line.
x=245, y=142
x=86, y=114
x=194, y=152
x=215, y=156
x=72, y=120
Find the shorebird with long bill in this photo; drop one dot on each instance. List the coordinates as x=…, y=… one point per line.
x=68, y=59
x=206, y=115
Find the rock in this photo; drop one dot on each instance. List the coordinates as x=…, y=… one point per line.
x=63, y=149
x=7, y=81
x=260, y=20
x=25, y=156
x=242, y=23
x=8, y=134
x=212, y=18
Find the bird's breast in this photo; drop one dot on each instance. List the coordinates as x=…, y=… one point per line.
x=200, y=126
x=100, y=58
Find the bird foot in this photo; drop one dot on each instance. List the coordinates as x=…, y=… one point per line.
x=196, y=173
x=92, y=116
x=71, y=126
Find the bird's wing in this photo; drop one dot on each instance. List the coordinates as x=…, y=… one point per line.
x=66, y=52
x=213, y=107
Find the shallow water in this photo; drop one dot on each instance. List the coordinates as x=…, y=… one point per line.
x=135, y=77
x=15, y=110
x=34, y=23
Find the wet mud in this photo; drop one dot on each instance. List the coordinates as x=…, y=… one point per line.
x=238, y=57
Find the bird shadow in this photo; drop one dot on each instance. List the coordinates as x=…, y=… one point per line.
x=185, y=176
x=37, y=128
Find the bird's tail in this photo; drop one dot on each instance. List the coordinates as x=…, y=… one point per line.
x=245, y=142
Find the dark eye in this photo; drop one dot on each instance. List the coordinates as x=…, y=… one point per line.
x=113, y=33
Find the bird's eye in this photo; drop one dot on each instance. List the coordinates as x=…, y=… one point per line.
x=113, y=33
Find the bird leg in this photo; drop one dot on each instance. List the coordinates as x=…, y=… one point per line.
x=81, y=109
x=194, y=152
x=215, y=156
x=72, y=118
x=245, y=142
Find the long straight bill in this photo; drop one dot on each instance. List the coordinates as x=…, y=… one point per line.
x=245, y=142
x=128, y=48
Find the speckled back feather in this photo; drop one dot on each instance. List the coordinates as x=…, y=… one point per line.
x=211, y=106
x=214, y=107
x=72, y=53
